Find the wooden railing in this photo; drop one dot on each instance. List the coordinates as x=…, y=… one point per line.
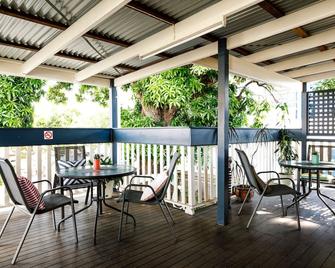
x=149, y=151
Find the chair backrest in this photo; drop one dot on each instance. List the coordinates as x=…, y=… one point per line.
x=69, y=153
x=171, y=169
x=11, y=182
x=253, y=179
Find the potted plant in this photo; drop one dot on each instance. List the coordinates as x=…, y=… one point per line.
x=240, y=190
x=286, y=150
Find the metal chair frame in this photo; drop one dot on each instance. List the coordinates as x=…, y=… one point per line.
x=31, y=211
x=262, y=192
x=157, y=199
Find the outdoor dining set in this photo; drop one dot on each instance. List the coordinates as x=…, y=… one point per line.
x=73, y=173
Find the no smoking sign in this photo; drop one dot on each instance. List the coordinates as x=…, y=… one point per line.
x=48, y=135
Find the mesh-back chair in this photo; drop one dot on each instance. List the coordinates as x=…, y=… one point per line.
x=71, y=155
x=265, y=189
x=51, y=199
x=134, y=196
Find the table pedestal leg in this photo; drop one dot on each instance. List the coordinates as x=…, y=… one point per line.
x=320, y=194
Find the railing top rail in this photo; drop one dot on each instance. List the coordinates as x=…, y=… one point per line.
x=186, y=136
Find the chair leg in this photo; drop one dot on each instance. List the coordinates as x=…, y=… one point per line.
x=127, y=212
x=23, y=238
x=245, y=199
x=297, y=210
x=74, y=221
x=54, y=219
x=169, y=212
x=121, y=221
x=255, y=210
x=170, y=225
x=6, y=221
x=87, y=195
x=282, y=205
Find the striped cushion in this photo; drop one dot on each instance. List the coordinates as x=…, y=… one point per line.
x=30, y=193
x=69, y=164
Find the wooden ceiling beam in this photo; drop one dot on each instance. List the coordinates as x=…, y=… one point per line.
x=60, y=26
x=63, y=54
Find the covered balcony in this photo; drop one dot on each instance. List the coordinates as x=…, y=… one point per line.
x=288, y=44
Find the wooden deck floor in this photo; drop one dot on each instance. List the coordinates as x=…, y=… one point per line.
x=272, y=241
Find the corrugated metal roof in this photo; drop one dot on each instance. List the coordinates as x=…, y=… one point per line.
x=131, y=26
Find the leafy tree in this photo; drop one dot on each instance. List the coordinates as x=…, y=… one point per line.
x=57, y=93
x=187, y=96
x=17, y=95
x=57, y=120
x=325, y=84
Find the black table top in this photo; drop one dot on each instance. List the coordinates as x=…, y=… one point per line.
x=308, y=165
x=87, y=172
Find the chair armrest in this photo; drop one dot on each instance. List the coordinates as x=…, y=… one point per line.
x=40, y=181
x=270, y=171
x=139, y=185
x=141, y=176
x=280, y=179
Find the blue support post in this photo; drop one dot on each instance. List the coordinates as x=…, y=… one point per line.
x=223, y=128
x=114, y=116
x=304, y=121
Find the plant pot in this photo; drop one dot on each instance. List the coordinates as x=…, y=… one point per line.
x=241, y=192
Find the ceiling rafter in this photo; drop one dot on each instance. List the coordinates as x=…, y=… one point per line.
x=63, y=54
x=165, y=18
x=62, y=27
x=277, y=13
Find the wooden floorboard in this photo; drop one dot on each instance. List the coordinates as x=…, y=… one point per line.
x=272, y=241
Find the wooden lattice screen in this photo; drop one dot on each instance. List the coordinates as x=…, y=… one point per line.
x=321, y=113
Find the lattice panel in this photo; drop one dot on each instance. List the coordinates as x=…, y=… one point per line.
x=321, y=112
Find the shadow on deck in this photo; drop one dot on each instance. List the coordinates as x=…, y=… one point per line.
x=271, y=241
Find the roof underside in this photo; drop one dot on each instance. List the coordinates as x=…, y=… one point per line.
x=21, y=35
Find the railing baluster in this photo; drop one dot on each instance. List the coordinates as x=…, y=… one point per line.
x=199, y=174
x=149, y=172
x=161, y=158
x=175, y=180
x=29, y=162
x=155, y=160
x=205, y=159
x=168, y=155
x=190, y=179
x=182, y=175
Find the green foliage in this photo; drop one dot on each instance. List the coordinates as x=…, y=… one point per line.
x=17, y=95
x=96, y=94
x=325, y=84
x=57, y=120
x=285, y=147
x=187, y=96
x=57, y=93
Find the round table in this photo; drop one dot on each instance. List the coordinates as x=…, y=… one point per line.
x=308, y=165
x=108, y=172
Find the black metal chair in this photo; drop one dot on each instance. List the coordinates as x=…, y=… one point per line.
x=134, y=196
x=73, y=154
x=266, y=189
x=52, y=201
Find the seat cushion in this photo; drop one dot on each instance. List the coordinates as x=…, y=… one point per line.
x=30, y=193
x=53, y=201
x=280, y=189
x=157, y=184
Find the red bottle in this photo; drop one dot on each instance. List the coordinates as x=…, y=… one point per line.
x=96, y=164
